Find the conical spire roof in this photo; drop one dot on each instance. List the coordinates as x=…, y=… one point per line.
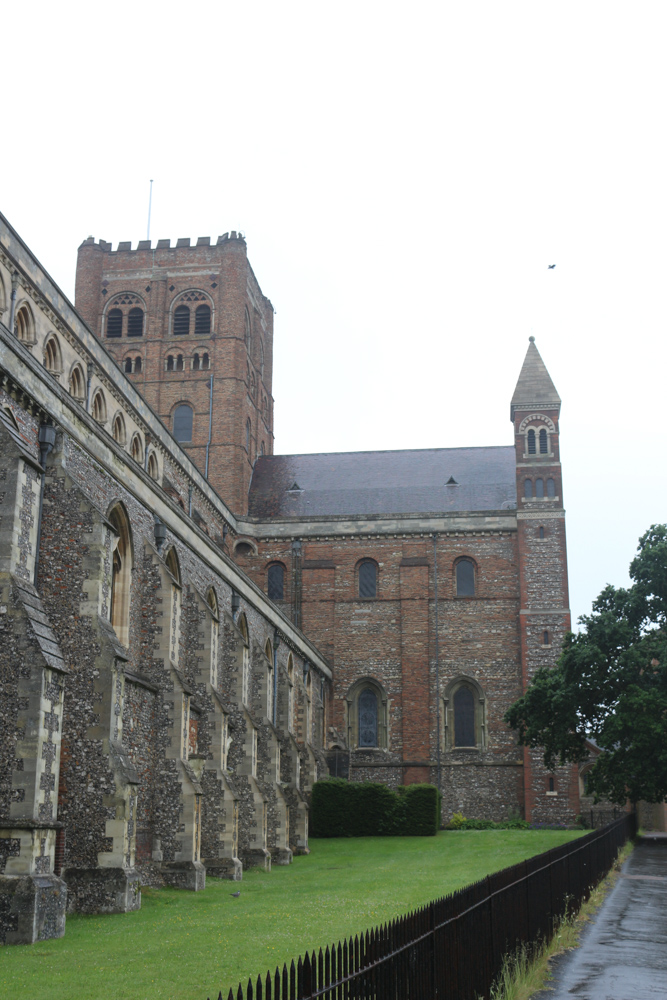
x=534, y=390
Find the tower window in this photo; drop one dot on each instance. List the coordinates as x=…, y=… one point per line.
x=464, y=718
x=137, y=365
x=552, y=785
x=179, y=363
x=528, y=489
x=181, y=321
x=205, y=363
x=551, y=488
x=276, y=582
x=545, y=639
x=170, y=363
x=531, y=442
x=183, y=422
x=544, y=444
x=114, y=323
x=541, y=532
x=135, y=322
x=465, y=578
x=128, y=364
x=202, y=321
x=195, y=363
x=539, y=489
x=368, y=579
x=368, y=717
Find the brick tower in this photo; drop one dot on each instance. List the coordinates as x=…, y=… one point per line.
x=544, y=601
x=191, y=327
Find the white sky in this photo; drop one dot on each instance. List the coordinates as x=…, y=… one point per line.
x=404, y=173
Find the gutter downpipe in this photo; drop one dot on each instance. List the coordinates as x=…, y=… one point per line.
x=437, y=657
x=210, y=423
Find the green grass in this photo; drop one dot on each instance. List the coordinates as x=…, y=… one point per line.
x=187, y=946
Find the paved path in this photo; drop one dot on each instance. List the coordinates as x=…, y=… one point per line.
x=623, y=954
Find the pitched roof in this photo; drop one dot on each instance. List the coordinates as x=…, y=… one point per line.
x=383, y=482
x=534, y=390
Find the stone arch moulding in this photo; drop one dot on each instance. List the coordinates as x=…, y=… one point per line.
x=245, y=547
x=356, y=739
x=537, y=419
x=479, y=741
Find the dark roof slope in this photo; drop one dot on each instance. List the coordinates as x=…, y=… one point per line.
x=362, y=483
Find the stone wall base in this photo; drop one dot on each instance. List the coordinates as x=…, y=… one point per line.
x=184, y=875
x=224, y=868
x=301, y=849
x=281, y=856
x=102, y=890
x=32, y=908
x=260, y=858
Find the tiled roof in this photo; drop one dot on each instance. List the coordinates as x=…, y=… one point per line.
x=383, y=482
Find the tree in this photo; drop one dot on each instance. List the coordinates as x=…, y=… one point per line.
x=610, y=685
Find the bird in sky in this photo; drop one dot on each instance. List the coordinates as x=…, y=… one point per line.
x=551, y=266
x=235, y=894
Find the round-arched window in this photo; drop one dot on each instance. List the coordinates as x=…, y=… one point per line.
x=465, y=578
x=183, y=422
x=368, y=579
x=368, y=718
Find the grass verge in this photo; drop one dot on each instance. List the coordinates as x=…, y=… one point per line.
x=527, y=970
x=187, y=946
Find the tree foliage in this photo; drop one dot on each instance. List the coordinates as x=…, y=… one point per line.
x=610, y=685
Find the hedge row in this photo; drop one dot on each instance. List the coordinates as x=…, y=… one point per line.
x=340, y=808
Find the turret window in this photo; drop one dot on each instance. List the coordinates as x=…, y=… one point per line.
x=551, y=488
x=531, y=442
x=544, y=443
x=539, y=489
x=528, y=489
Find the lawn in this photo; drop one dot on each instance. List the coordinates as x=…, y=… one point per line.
x=186, y=946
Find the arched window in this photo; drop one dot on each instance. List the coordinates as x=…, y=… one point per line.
x=261, y=448
x=464, y=715
x=202, y=321
x=179, y=363
x=367, y=714
x=531, y=442
x=544, y=442
x=121, y=577
x=245, y=665
x=115, y=323
x=119, y=428
x=246, y=328
x=137, y=365
x=551, y=488
x=181, y=326
x=276, y=582
x=152, y=468
x=52, y=359
x=464, y=718
x=136, y=449
x=545, y=639
x=24, y=326
x=195, y=362
x=169, y=366
x=528, y=489
x=77, y=384
x=541, y=531
x=268, y=652
x=183, y=422
x=368, y=718
x=539, y=489
x=465, y=578
x=205, y=363
x=247, y=436
x=368, y=579
x=290, y=693
x=99, y=408
x=172, y=563
x=135, y=322
x=128, y=365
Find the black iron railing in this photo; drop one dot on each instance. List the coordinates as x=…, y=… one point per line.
x=454, y=947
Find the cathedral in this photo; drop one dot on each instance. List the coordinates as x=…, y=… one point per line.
x=193, y=629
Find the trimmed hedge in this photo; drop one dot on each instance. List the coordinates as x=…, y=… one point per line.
x=340, y=808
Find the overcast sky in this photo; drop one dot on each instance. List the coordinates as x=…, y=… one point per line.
x=403, y=173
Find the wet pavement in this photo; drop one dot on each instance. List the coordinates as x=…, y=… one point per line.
x=623, y=951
